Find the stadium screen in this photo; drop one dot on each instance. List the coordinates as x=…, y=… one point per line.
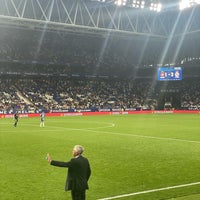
x=169, y=73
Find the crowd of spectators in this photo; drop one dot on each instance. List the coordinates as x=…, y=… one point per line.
x=34, y=95
x=78, y=53
x=190, y=99
x=52, y=95
x=10, y=101
x=37, y=66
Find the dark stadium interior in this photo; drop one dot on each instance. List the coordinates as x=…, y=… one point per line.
x=101, y=67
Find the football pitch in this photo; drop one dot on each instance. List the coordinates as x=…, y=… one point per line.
x=132, y=157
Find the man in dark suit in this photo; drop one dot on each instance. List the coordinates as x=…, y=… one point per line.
x=16, y=118
x=79, y=172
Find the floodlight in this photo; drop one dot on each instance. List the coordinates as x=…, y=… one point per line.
x=120, y=2
x=156, y=7
x=138, y=4
x=188, y=3
x=159, y=7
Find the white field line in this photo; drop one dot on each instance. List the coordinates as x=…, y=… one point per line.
x=109, y=125
x=115, y=133
x=150, y=191
x=143, y=136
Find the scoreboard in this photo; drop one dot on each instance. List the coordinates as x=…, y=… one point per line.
x=169, y=73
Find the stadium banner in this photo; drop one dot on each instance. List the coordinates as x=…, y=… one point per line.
x=61, y=114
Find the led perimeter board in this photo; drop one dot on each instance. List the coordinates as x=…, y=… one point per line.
x=169, y=74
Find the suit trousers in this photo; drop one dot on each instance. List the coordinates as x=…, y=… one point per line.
x=78, y=195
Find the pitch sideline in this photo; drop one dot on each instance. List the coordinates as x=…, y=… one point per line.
x=150, y=191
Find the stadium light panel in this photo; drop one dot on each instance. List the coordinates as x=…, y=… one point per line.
x=138, y=4
x=153, y=5
x=101, y=1
x=120, y=2
x=188, y=3
x=156, y=7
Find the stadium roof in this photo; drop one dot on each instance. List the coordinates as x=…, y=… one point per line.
x=172, y=29
x=88, y=16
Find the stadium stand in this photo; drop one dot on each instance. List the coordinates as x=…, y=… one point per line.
x=73, y=95
x=56, y=70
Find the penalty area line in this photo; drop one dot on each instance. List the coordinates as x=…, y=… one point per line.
x=150, y=191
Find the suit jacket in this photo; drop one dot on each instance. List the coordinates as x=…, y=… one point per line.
x=79, y=172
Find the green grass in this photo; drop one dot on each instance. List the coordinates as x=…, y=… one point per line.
x=127, y=153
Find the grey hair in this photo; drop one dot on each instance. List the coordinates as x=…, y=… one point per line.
x=79, y=149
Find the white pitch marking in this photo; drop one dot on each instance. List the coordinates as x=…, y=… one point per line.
x=150, y=191
x=122, y=134
x=109, y=125
x=143, y=136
